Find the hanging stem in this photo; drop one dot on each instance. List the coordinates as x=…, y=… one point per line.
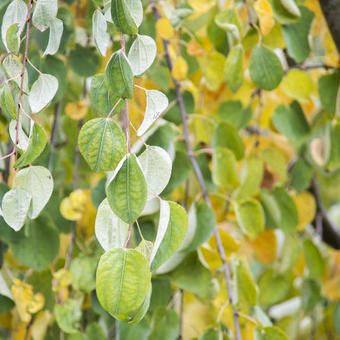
x=24, y=59
x=199, y=176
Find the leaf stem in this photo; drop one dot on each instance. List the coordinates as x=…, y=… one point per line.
x=35, y=68
x=114, y=106
x=199, y=176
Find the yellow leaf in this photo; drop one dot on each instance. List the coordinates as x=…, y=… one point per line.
x=213, y=72
x=40, y=325
x=85, y=226
x=62, y=279
x=164, y=28
x=180, y=68
x=297, y=84
x=76, y=110
x=265, y=246
x=73, y=207
x=265, y=14
x=26, y=302
x=306, y=206
x=201, y=6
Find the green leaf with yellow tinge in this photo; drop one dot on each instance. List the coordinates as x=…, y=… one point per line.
x=127, y=15
x=233, y=68
x=250, y=217
x=127, y=191
x=174, y=234
x=227, y=136
x=275, y=162
x=224, y=168
x=281, y=14
x=102, y=144
x=122, y=282
x=119, y=75
x=251, y=179
x=269, y=333
x=212, y=71
x=328, y=86
x=297, y=84
x=265, y=68
x=315, y=262
x=229, y=21
x=36, y=145
x=245, y=290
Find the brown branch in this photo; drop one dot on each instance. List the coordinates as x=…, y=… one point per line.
x=331, y=12
x=22, y=74
x=199, y=176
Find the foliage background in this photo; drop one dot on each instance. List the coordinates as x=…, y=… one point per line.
x=264, y=131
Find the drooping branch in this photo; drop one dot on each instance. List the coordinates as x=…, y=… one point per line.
x=199, y=176
x=331, y=12
x=22, y=74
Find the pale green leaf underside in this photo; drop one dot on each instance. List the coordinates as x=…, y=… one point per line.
x=44, y=13
x=56, y=32
x=111, y=231
x=99, y=32
x=37, y=181
x=15, y=205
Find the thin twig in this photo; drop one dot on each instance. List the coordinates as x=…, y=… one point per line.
x=24, y=59
x=199, y=176
x=114, y=106
x=57, y=112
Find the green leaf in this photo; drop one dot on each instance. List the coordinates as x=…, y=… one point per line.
x=7, y=103
x=42, y=236
x=232, y=112
x=336, y=318
x=102, y=143
x=166, y=325
x=251, y=179
x=6, y=298
x=119, y=75
x=301, y=175
x=42, y=92
x=315, y=262
x=271, y=209
x=36, y=145
x=328, y=86
x=99, y=32
x=229, y=21
x=269, y=333
x=83, y=271
x=127, y=191
x=15, y=206
x=233, y=68
x=245, y=289
x=192, y=276
x=44, y=13
x=265, y=68
x=111, y=232
x=13, y=39
x=275, y=162
x=56, y=32
x=291, y=122
x=127, y=15
x=311, y=294
x=201, y=225
x=224, y=168
x=16, y=13
x=142, y=54
x=296, y=35
x=173, y=236
x=122, y=282
x=102, y=99
x=288, y=210
x=281, y=14
x=37, y=181
x=212, y=333
x=156, y=166
x=94, y=331
x=84, y=61
x=145, y=248
x=289, y=254
x=334, y=157
x=226, y=136
x=273, y=288
x=250, y=217
x=68, y=315
x=156, y=103
x=291, y=7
